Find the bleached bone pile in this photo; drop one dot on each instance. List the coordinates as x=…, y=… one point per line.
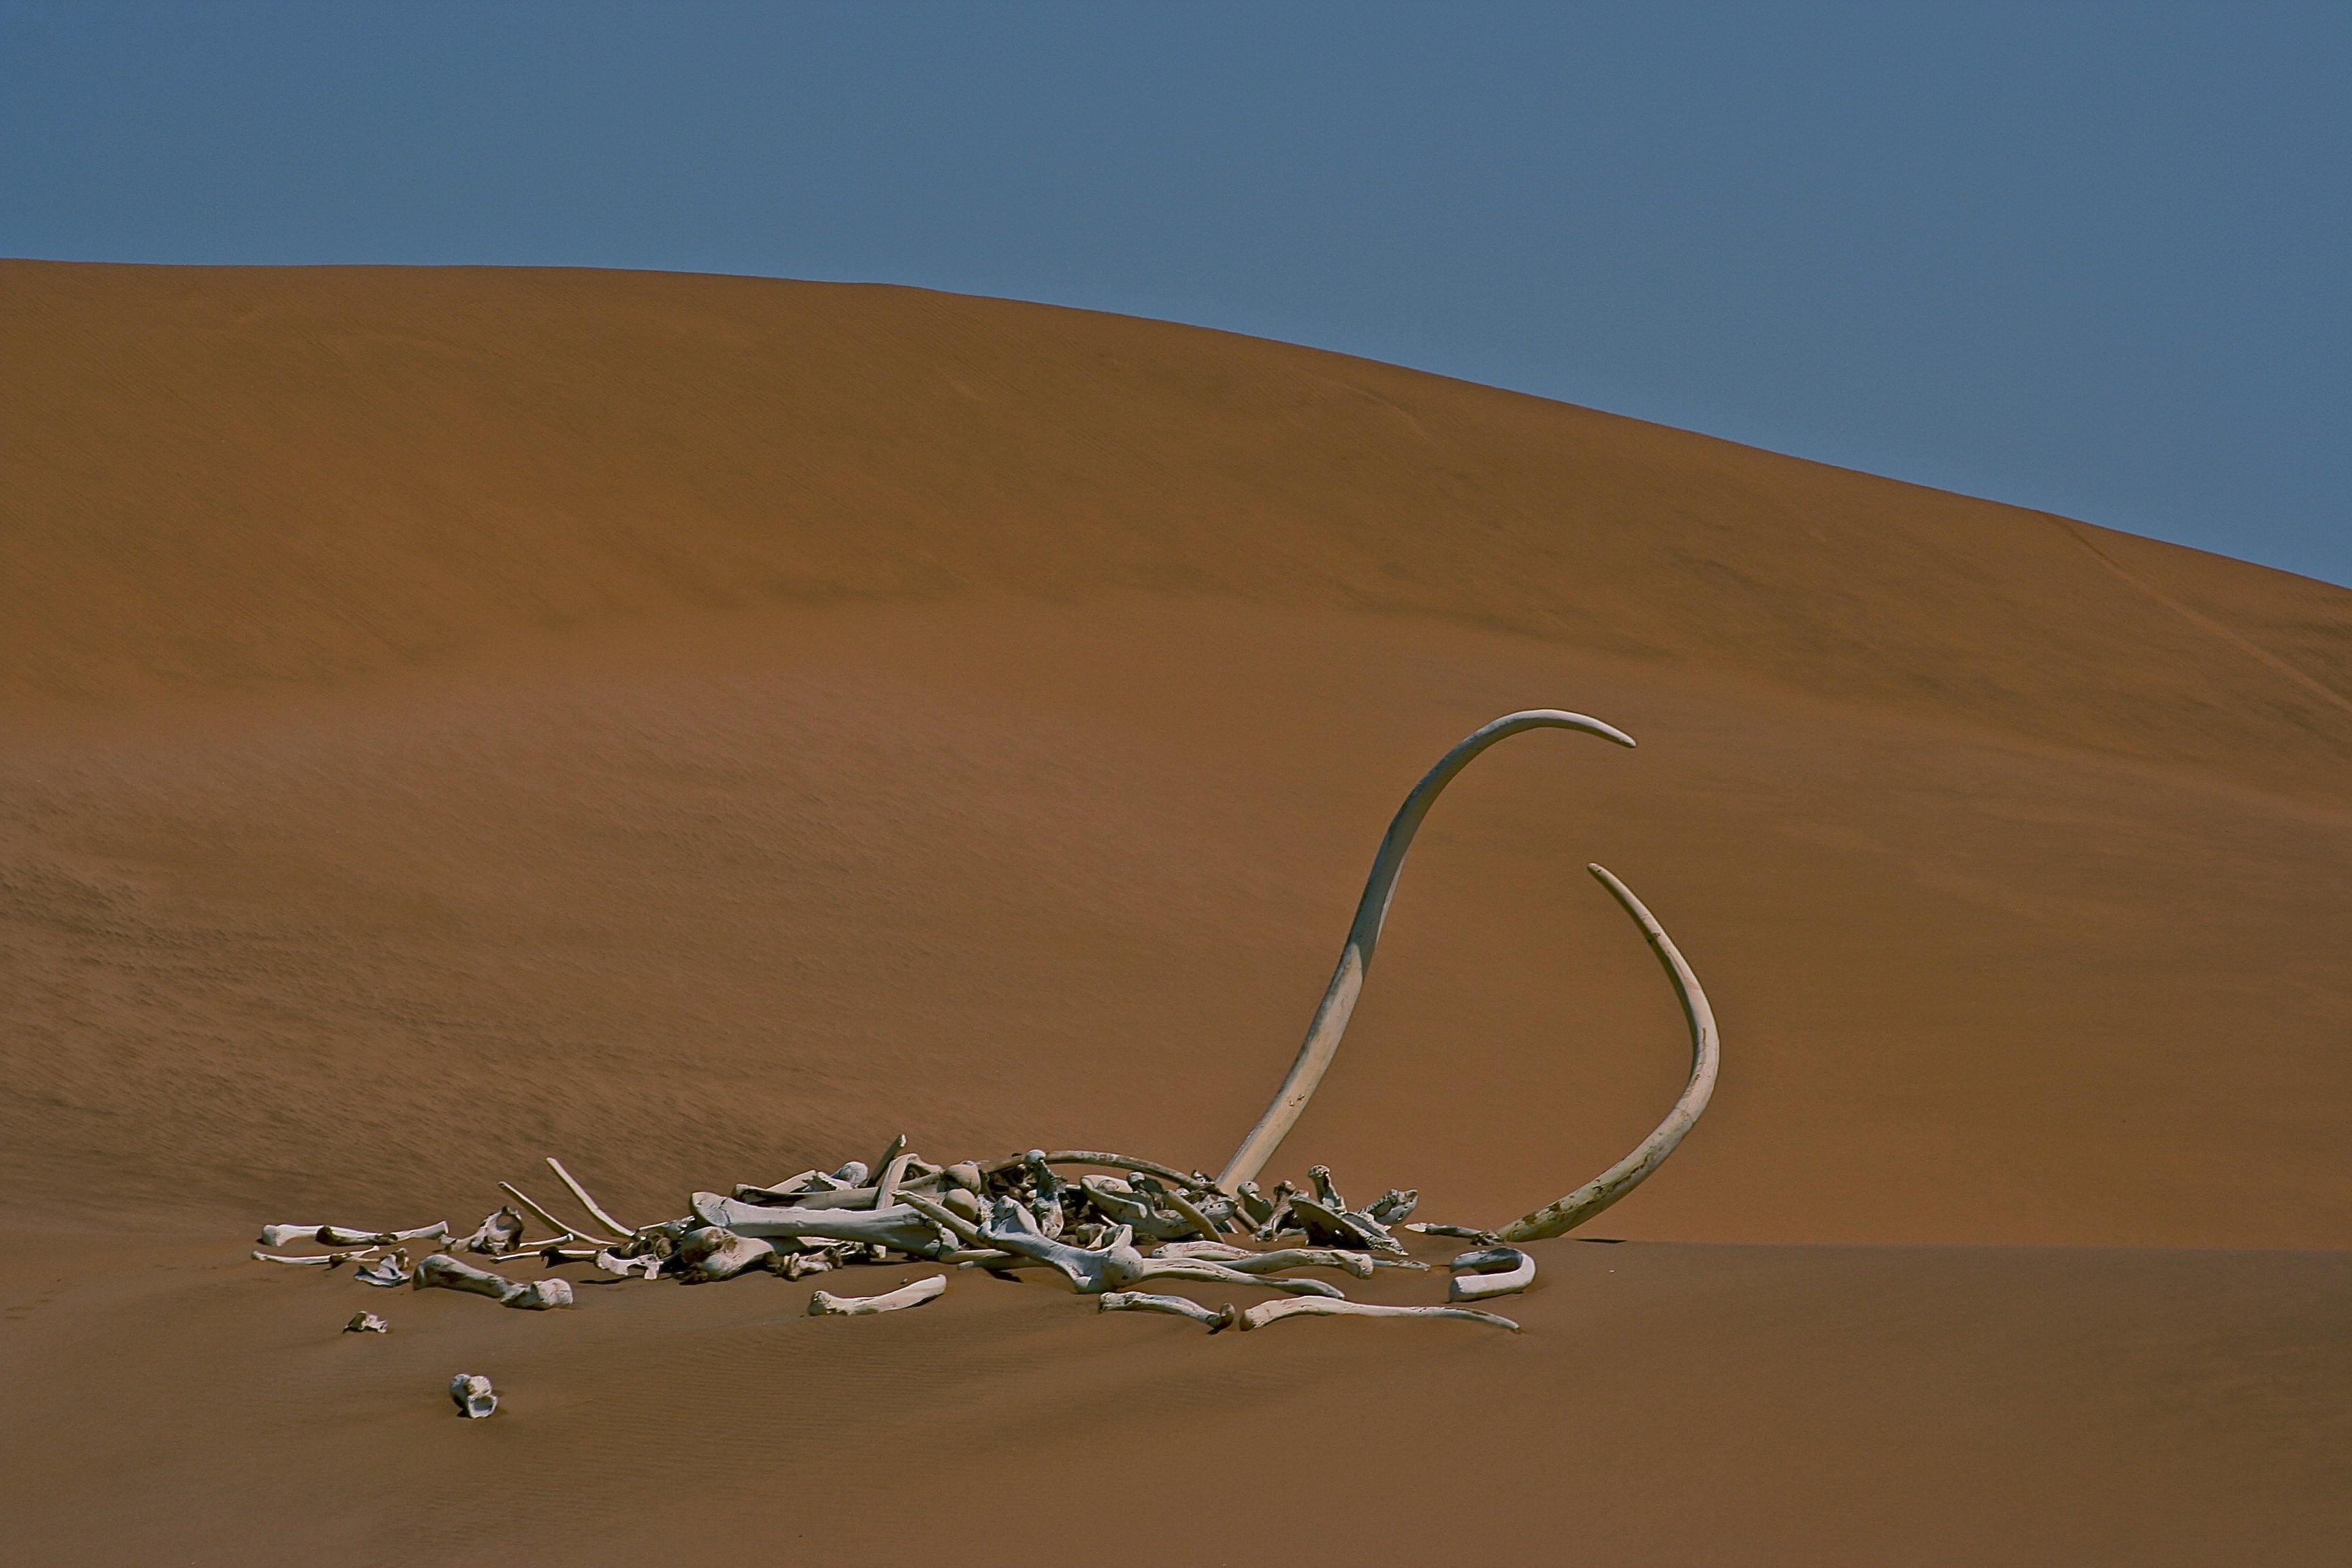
x=1021, y=1212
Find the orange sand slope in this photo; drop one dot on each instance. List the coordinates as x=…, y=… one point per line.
x=701, y=727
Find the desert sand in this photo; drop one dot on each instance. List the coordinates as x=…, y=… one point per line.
x=702, y=727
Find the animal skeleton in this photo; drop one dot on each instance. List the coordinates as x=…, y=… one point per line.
x=1018, y=1213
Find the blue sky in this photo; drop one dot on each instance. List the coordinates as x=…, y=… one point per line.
x=2088, y=258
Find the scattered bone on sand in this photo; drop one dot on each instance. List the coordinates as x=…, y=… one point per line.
x=1266, y=1312
x=1490, y=1271
x=366, y=1323
x=1021, y=1213
x=473, y=1396
x=823, y=1305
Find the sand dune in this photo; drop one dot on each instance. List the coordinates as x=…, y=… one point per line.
x=701, y=726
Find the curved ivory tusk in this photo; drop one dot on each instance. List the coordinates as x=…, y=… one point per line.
x=1629, y=1173
x=1268, y=1312
x=1322, y=1042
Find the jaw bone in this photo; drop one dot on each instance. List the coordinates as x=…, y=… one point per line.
x=1323, y=1036
x=449, y=1274
x=1266, y=1312
x=1217, y=1319
x=821, y=1305
x=1490, y=1271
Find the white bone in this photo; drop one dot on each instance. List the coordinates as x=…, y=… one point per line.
x=899, y=1227
x=714, y=1252
x=1126, y=1206
x=1322, y=1042
x=821, y=1305
x=346, y=1236
x=646, y=1263
x=449, y=1274
x=326, y=1259
x=498, y=1235
x=894, y=1171
x=473, y=1396
x=1115, y=1267
x=1629, y=1173
x=1490, y=1271
x=386, y=1272
x=562, y=1231
x=587, y=1202
x=1266, y=1312
x=1214, y=1251
x=366, y=1323
x=1217, y=1319
x=853, y=1175
x=1354, y=1263
x=1088, y=1157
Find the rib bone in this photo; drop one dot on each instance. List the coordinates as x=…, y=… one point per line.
x=1217, y=1319
x=821, y=1305
x=1266, y=1312
x=1490, y=1271
x=588, y=1203
x=1322, y=1042
x=1629, y=1173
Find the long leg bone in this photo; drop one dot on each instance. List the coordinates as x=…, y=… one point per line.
x=325, y=1259
x=1266, y=1312
x=1322, y=1042
x=899, y=1227
x=1217, y=1319
x=1490, y=1271
x=821, y=1305
x=449, y=1274
x=346, y=1236
x=1629, y=1173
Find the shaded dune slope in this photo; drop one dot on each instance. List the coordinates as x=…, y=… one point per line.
x=530, y=700
x=701, y=727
